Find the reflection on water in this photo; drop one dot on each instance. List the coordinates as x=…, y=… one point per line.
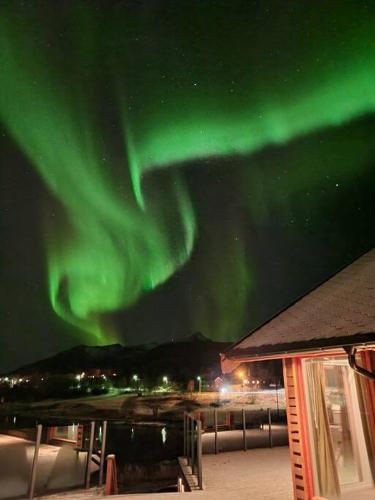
x=137, y=443
x=144, y=443
x=164, y=435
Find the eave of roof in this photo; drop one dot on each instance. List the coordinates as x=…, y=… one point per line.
x=356, y=277
x=278, y=350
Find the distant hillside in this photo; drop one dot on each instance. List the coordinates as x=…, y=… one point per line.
x=183, y=358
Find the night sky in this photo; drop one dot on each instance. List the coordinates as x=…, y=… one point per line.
x=170, y=167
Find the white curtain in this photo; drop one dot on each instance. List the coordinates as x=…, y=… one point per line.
x=325, y=458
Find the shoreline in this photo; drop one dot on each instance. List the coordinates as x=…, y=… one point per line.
x=146, y=409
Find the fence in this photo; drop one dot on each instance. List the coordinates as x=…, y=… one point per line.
x=193, y=446
x=95, y=455
x=195, y=424
x=213, y=421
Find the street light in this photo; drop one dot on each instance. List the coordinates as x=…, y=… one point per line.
x=135, y=378
x=165, y=379
x=199, y=378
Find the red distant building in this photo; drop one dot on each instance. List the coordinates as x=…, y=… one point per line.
x=327, y=343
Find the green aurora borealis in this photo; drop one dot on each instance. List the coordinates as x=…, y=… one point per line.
x=117, y=113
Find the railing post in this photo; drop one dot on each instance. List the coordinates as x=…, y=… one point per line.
x=89, y=455
x=34, y=467
x=192, y=447
x=244, y=429
x=180, y=485
x=188, y=441
x=216, y=436
x=102, y=453
x=270, y=427
x=199, y=454
x=185, y=443
x=111, y=487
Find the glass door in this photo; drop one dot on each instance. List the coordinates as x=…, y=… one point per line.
x=341, y=462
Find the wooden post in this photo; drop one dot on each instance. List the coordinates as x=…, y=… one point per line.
x=277, y=397
x=111, y=487
x=199, y=454
x=244, y=429
x=180, y=485
x=188, y=441
x=80, y=436
x=192, y=447
x=231, y=420
x=89, y=455
x=216, y=436
x=185, y=443
x=102, y=453
x=34, y=467
x=270, y=427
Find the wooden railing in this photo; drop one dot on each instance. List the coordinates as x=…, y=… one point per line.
x=263, y=417
x=193, y=446
x=111, y=485
x=93, y=455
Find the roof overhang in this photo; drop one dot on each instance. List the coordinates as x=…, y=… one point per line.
x=233, y=357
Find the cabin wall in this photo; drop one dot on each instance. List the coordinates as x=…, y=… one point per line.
x=367, y=404
x=297, y=430
x=299, y=436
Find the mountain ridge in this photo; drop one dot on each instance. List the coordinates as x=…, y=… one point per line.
x=184, y=357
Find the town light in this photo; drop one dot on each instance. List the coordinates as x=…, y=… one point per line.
x=199, y=378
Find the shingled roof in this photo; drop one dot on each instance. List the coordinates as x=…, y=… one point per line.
x=339, y=312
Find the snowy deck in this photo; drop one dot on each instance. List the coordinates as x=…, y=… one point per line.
x=58, y=467
x=260, y=474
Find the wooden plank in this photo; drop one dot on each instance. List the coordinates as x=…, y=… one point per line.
x=295, y=446
x=299, y=481
x=297, y=460
x=295, y=428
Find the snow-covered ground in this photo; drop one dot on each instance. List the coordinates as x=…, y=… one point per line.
x=262, y=474
x=58, y=467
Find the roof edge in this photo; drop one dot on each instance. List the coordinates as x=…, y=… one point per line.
x=281, y=311
x=363, y=339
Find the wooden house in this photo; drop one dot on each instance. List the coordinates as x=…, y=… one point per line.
x=326, y=341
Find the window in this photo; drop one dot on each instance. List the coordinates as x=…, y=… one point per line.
x=340, y=457
x=66, y=433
